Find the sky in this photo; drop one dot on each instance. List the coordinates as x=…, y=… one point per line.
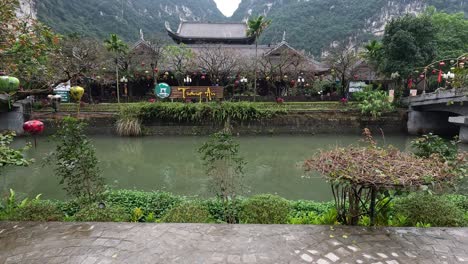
x=227, y=7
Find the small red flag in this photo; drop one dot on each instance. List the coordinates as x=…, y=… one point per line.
x=439, y=79
x=410, y=83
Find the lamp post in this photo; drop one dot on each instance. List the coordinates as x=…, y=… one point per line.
x=244, y=82
x=301, y=82
x=124, y=80
x=187, y=80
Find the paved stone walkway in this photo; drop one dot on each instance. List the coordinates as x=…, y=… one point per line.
x=102, y=243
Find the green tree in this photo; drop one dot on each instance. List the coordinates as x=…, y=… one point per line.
x=225, y=167
x=409, y=42
x=25, y=46
x=256, y=27
x=75, y=161
x=373, y=53
x=117, y=46
x=451, y=33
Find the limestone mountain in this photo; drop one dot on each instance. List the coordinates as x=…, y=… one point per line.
x=314, y=24
x=124, y=17
x=311, y=25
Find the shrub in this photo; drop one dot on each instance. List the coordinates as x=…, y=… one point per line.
x=188, y=213
x=129, y=122
x=373, y=102
x=216, y=207
x=157, y=203
x=430, y=144
x=301, y=208
x=92, y=213
x=265, y=209
x=75, y=161
x=225, y=167
x=429, y=209
x=212, y=112
x=312, y=218
x=461, y=201
x=37, y=210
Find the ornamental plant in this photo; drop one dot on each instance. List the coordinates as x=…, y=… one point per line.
x=363, y=178
x=373, y=102
x=76, y=164
x=225, y=167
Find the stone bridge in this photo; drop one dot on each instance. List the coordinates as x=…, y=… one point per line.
x=444, y=113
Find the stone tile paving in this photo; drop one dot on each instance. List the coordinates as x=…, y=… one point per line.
x=102, y=243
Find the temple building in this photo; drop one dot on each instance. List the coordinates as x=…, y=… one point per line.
x=233, y=37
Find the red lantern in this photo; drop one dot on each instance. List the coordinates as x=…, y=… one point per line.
x=293, y=82
x=356, y=77
x=143, y=64
x=203, y=77
x=434, y=72
x=156, y=70
x=236, y=83
x=34, y=127
x=421, y=76
x=442, y=63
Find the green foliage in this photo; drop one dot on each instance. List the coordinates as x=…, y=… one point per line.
x=430, y=144
x=301, y=207
x=37, y=210
x=408, y=43
x=92, y=213
x=138, y=215
x=209, y=112
x=451, y=33
x=75, y=161
x=429, y=209
x=10, y=156
x=220, y=155
x=157, y=203
x=312, y=218
x=265, y=209
x=190, y=212
x=373, y=102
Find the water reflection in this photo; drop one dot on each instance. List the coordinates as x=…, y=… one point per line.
x=173, y=164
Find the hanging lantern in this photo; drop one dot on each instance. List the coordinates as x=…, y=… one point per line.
x=156, y=70
x=293, y=82
x=236, y=83
x=34, y=127
x=9, y=84
x=77, y=93
x=143, y=64
x=421, y=76
x=442, y=63
x=356, y=77
x=203, y=77
x=434, y=72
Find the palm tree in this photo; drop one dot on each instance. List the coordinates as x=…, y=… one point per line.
x=256, y=28
x=115, y=45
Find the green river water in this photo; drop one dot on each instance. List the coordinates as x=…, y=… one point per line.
x=173, y=164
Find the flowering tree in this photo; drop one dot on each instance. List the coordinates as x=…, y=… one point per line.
x=25, y=46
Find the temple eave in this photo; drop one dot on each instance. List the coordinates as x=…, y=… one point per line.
x=197, y=40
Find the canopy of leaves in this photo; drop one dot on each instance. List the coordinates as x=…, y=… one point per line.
x=451, y=33
x=408, y=43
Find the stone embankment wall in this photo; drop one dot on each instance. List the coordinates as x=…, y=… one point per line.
x=317, y=122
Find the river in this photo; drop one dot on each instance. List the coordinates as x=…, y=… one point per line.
x=274, y=165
